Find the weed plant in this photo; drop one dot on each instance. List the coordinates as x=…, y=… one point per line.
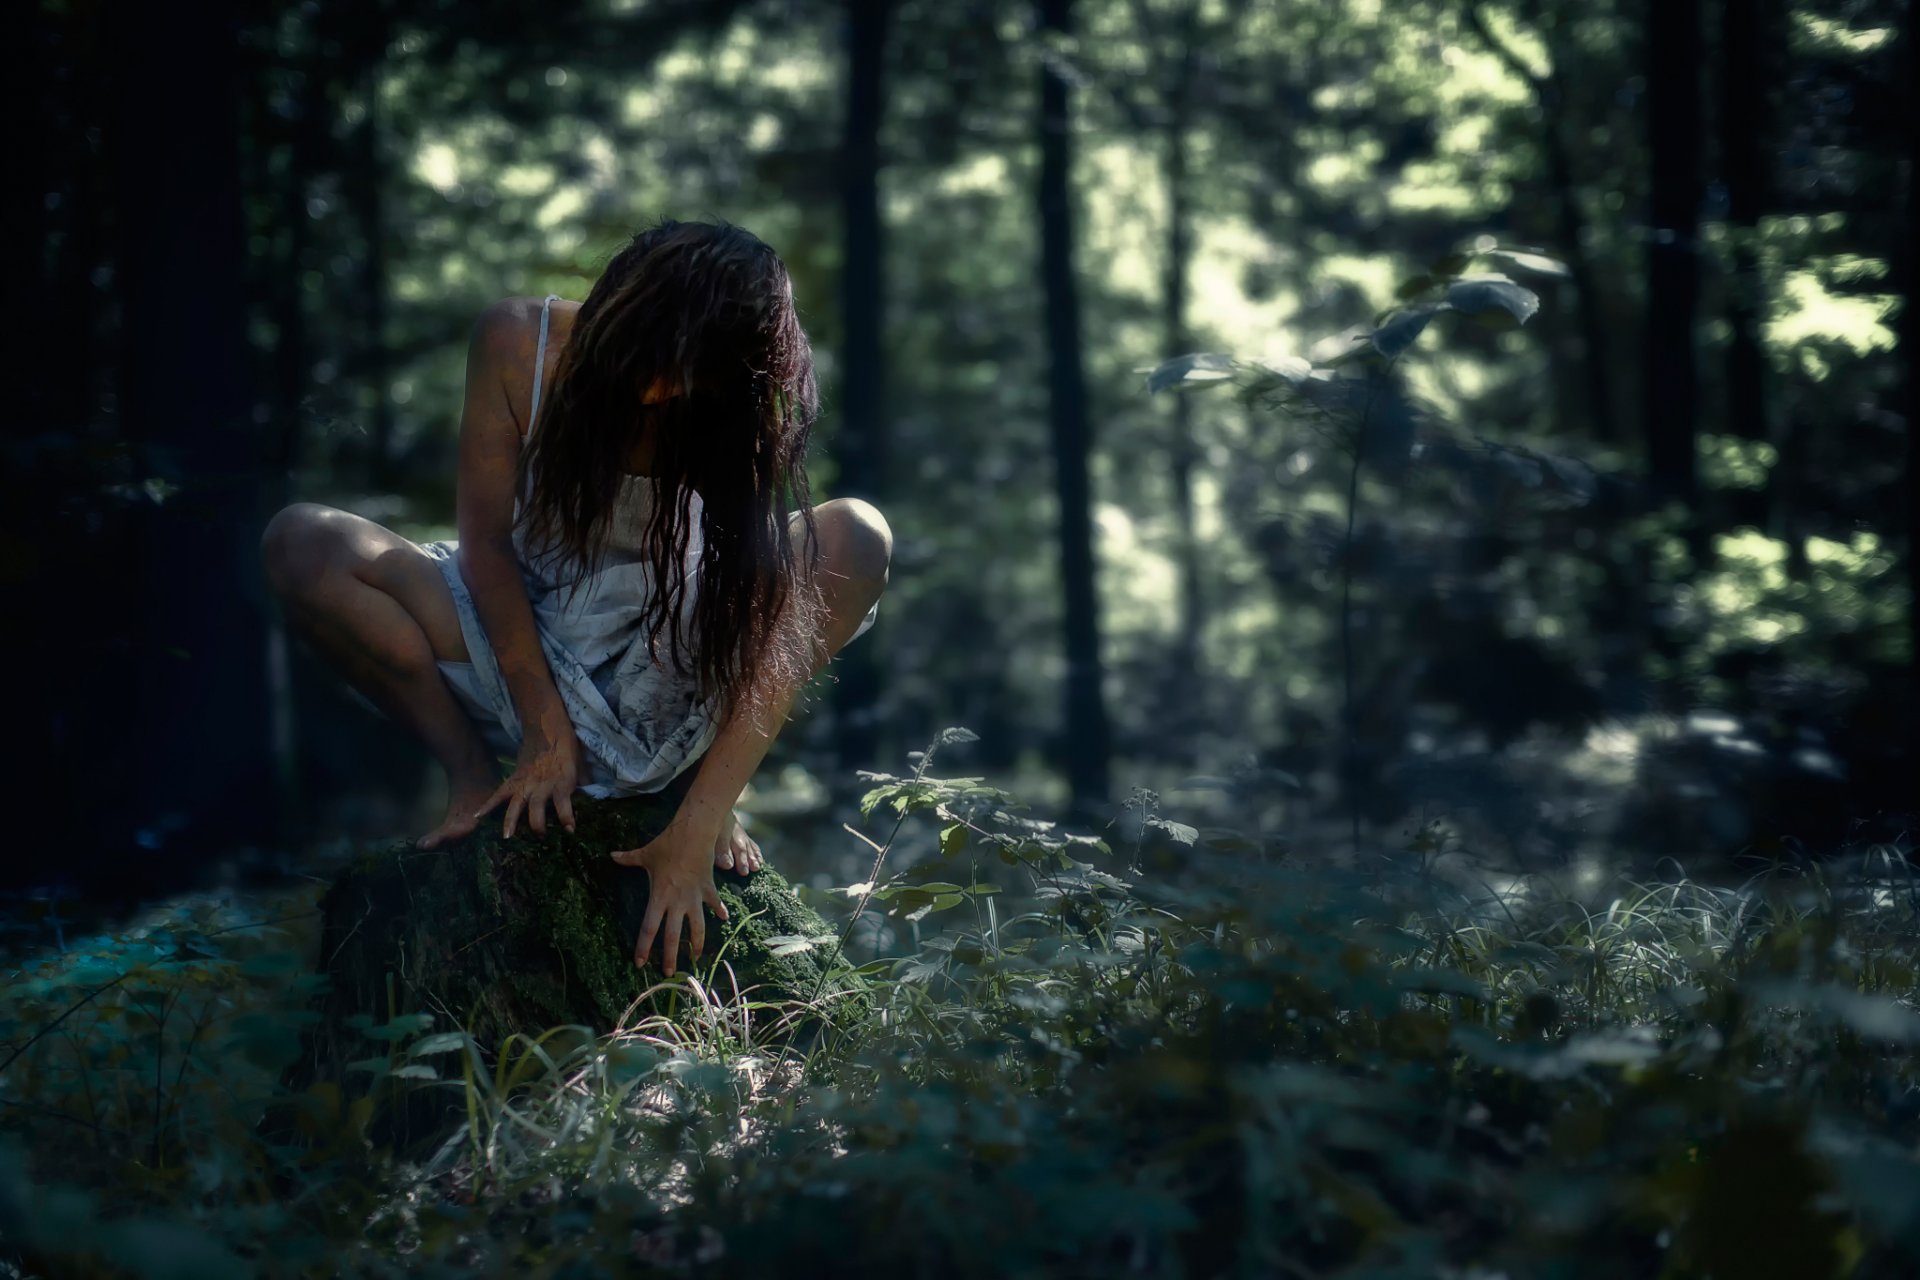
x=1243, y=1068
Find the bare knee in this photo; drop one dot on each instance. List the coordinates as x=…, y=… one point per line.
x=856, y=544
x=300, y=548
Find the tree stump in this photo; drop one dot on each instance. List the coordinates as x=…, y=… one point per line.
x=496, y=936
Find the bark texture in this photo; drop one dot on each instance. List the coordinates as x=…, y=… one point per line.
x=502, y=936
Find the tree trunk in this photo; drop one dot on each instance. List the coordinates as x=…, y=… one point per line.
x=1746, y=37
x=1569, y=222
x=1178, y=339
x=193, y=771
x=1907, y=281
x=1673, y=269
x=1596, y=363
x=861, y=445
x=501, y=937
x=300, y=139
x=366, y=189
x=1086, y=740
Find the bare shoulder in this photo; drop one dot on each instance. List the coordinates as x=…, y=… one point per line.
x=505, y=339
x=504, y=327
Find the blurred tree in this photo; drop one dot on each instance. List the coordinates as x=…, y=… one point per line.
x=1085, y=733
x=1161, y=105
x=1548, y=93
x=1908, y=283
x=364, y=49
x=861, y=443
x=1750, y=39
x=190, y=763
x=1673, y=57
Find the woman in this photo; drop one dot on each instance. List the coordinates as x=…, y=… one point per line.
x=629, y=596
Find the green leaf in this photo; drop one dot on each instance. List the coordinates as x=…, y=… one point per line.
x=1400, y=333
x=1873, y=1017
x=1178, y=832
x=943, y=902
x=440, y=1042
x=1440, y=982
x=407, y=1024
x=953, y=839
x=273, y=964
x=1415, y=287
x=1485, y=294
x=1538, y=263
x=1199, y=368
x=792, y=944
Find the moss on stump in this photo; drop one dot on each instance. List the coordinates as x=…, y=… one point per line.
x=501, y=936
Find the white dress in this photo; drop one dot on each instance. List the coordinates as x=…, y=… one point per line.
x=639, y=722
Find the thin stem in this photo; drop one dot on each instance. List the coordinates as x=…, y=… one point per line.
x=873, y=880
x=72, y=1009
x=1346, y=604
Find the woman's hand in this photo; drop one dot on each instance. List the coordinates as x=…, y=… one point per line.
x=548, y=771
x=679, y=866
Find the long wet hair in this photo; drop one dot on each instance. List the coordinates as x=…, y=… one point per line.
x=704, y=311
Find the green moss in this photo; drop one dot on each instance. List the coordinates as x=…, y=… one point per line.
x=499, y=937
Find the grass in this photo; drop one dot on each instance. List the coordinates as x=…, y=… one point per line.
x=1246, y=1068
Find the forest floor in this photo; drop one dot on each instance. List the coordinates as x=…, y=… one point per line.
x=1164, y=1054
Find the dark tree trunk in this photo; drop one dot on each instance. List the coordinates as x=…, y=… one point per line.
x=1747, y=30
x=1596, y=364
x=1178, y=339
x=1908, y=281
x=366, y=190
x=861, y=444
x=30, y=204
x=1569, y=222
x=300, y=139
x=1673, y=268
x=194, y=766
x=1086, y=738
x=498, y=938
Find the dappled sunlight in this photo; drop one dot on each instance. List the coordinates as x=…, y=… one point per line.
x=1386, y=746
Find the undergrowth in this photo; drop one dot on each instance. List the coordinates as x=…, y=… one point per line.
x=1243, y=1067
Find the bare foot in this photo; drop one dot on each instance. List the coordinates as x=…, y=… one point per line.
x=462, y=816
x=735, y=850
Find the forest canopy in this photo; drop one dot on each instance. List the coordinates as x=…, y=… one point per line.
x=1398, y=657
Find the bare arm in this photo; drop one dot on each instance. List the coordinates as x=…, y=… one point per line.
x=490, y=436
x=678, y=861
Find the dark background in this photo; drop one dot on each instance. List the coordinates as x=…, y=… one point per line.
x=1636, y=581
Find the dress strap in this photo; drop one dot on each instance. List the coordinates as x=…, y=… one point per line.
x=540, y=361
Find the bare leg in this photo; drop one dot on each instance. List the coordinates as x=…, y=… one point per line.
x=377, y=608
x=856, y=551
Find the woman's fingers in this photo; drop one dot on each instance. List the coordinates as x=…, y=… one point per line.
x=627, y=857
x=563, y=808
x=712, y=898
x=697, y=926
x=514, y=806
x=537, y=810
x=670, y=940
x=649, y=929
